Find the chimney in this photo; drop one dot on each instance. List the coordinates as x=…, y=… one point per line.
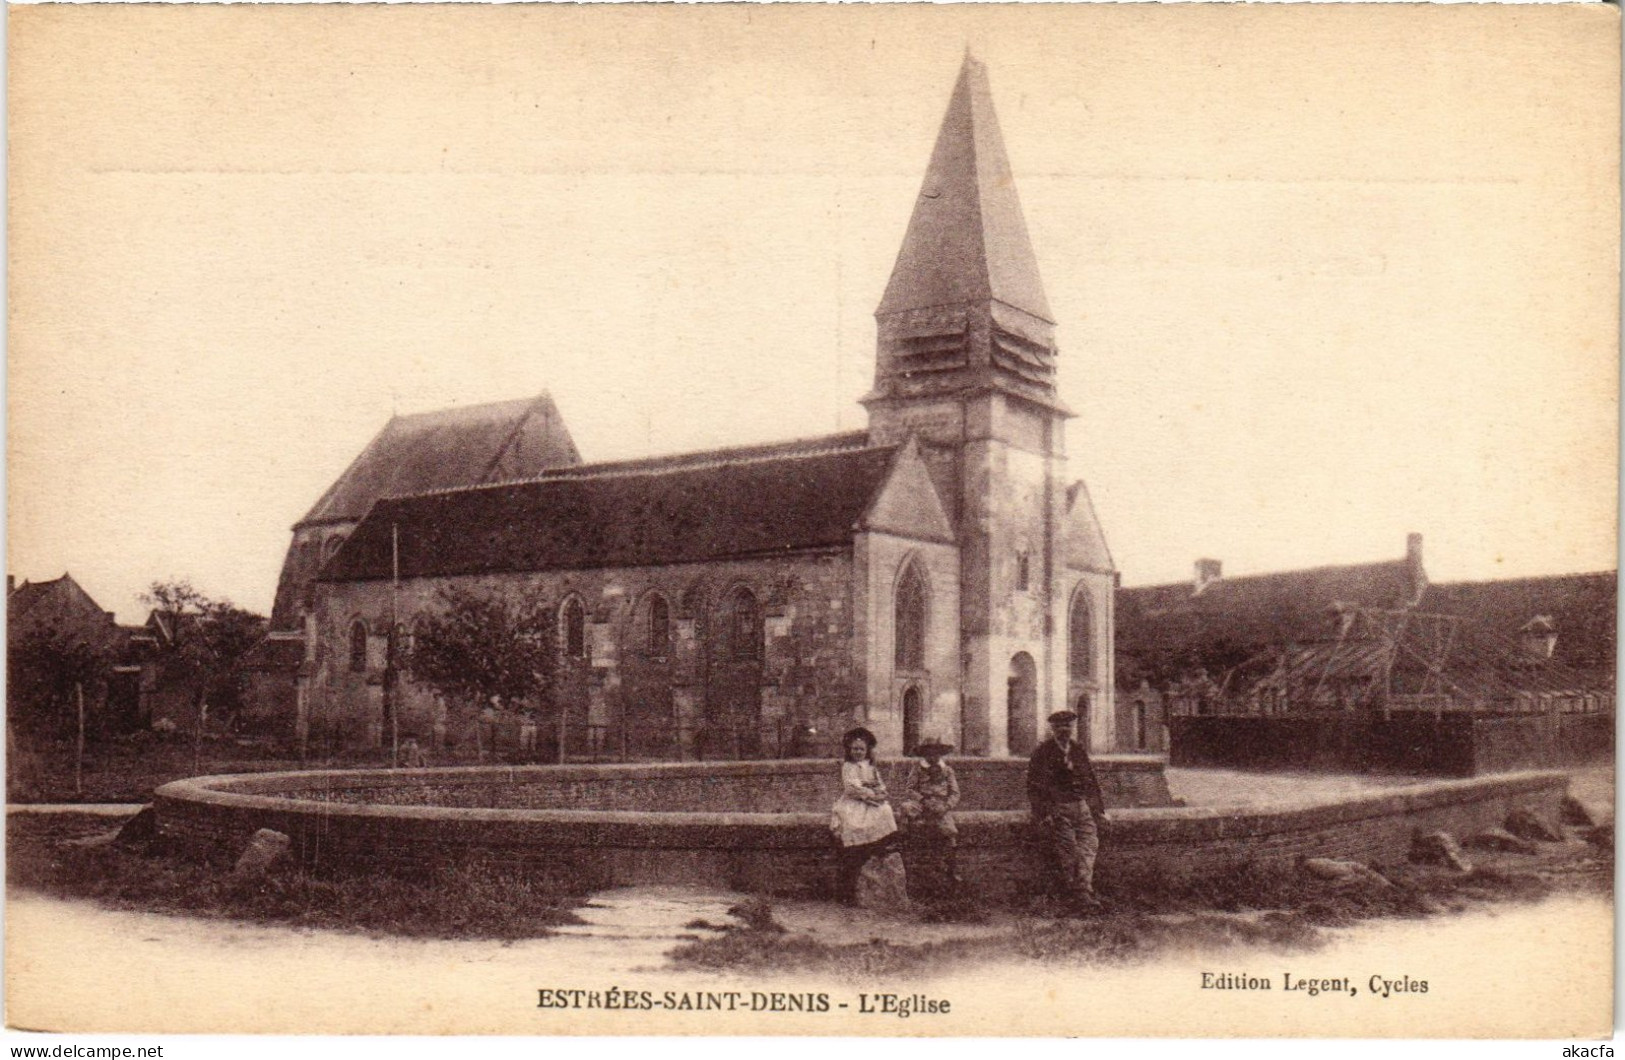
x=1207, y=572
x=1413, y=564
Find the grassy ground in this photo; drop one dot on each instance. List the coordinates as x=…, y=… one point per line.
x=1279, y=909
x=471, y=901
x=128, y=769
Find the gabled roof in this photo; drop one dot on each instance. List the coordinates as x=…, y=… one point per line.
x=28, y=594
x=907, y=504
x=68, y=601
x=967, y=239
x=675, y=510
x=500, y=442
x=1581, y=608
x=1086, y=547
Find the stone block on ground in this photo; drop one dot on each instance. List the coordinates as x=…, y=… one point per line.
x=1439, y=848
x=1501, y=839
x=264, y=850
x=101, y=840
x=1574, y=811
x=1339, y=871
x=883, y=885
x=1527, y=824
x=142, y=828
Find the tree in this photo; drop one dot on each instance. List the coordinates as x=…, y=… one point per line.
x=47, y=667
x=202, y=640
x=485, y=651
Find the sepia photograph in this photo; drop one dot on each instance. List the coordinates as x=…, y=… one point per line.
x=727, y=520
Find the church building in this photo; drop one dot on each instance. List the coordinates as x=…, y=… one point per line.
x=936, y=575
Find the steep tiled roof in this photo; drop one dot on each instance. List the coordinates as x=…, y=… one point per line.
x=27, y=595
x=499, y=442
x=61, y=601
x=1581, y=608
x=673, y=510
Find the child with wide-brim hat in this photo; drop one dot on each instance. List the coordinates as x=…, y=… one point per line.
x=934, y=792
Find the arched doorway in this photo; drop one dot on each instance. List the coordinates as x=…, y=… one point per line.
x=911, y=719
x=1081, y=709
x=1022, y=705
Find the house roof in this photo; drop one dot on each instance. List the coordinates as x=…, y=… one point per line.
x=696, y=507
x=967, y=239
x=28, y=594
x=1581, y=608
x=70, y=603
x=499, y=442
x=1167, y=628
x=1272, y=606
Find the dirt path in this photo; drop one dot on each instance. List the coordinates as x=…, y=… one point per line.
x=75, y=966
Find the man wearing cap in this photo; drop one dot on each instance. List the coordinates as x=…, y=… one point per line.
x=1066, y=806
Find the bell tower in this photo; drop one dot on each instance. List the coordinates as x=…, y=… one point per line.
x=966, y=364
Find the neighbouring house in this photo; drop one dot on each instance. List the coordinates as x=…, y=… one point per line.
x=1373, y=666
x=269, y=683
x=937, y=574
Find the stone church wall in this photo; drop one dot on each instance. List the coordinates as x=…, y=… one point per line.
x=1091, y=692
x=884, y=558
x=706, y=690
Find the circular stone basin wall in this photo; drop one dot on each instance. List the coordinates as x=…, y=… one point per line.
x=764, y=826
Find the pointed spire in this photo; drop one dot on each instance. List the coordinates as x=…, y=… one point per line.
x=967, y=240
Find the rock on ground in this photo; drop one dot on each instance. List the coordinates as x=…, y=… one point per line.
x=142, y=828
x=1336, y=870
x=883, y=885
x=1527, y=824
x=1574, y=811
x=1440, y=848
x=264, y=850
x=101, y=839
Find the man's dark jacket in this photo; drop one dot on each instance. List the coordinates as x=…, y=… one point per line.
x=1055, y=777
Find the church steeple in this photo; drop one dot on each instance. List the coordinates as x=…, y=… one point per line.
x=967, y=240
x=964, y=311
x=965, y=374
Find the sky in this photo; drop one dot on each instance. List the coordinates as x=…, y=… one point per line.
x=1323, y=275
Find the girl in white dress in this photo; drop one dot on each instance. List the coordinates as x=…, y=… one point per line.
x=862, y=819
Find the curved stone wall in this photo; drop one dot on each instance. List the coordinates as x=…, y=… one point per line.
x=781, y=844
x=793, y=786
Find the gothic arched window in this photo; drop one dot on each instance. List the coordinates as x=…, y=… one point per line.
x=745, y=625
x=910, y=654
x=575, y=629
x=358, y=647
x=659, y=627
x=1081, y=637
